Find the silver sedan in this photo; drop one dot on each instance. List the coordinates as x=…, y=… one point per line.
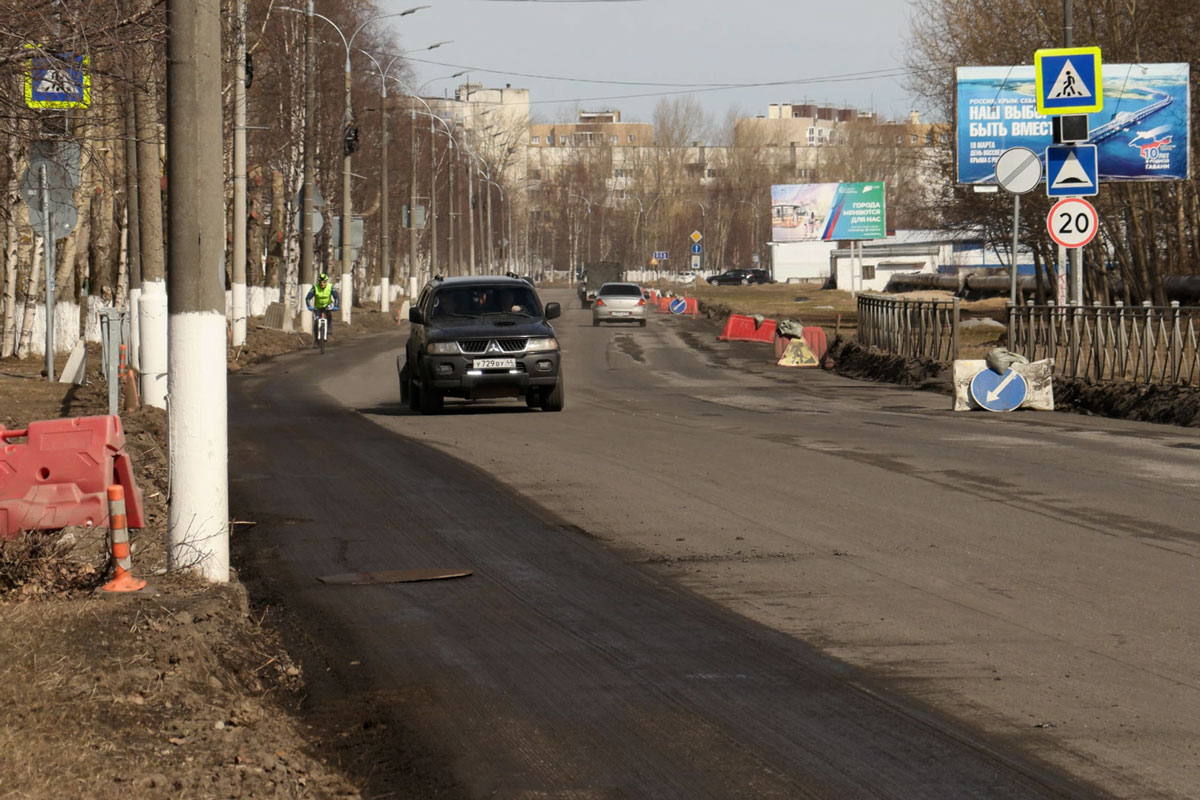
x=619, y=302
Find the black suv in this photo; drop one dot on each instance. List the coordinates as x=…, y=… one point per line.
x=744, y=277
x=477, y=337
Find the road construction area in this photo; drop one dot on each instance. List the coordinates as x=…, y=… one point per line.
x=714, y=577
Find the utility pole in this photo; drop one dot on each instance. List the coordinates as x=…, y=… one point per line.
x=1074, y=254
x=413, y=272
x=310, y=185
x=198, y=455
x=349, y=145
x=239, y=179
x=385, y=243
x=454, y=247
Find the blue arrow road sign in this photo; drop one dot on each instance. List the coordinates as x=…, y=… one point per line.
x=697, y=248
x=1072, y=170
x=678, y=305
x=1068, y=80
x=999, y=392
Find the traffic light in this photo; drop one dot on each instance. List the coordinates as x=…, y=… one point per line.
x=350, y=139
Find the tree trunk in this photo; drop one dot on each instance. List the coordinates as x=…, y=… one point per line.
x=32, y=294
x=12, y=202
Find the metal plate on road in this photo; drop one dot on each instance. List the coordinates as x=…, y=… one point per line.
x=1018, y=170
x=1072, y=222
x=394, y=576
x=999, y=392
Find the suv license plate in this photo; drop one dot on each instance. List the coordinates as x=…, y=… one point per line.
x=620, y=313
x=495, y=363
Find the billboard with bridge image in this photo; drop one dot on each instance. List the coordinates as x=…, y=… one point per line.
x=1141, y=134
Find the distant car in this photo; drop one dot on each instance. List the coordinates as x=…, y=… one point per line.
x=619, y=302
x=743, y=277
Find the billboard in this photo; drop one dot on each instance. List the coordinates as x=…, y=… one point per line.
x=1141, y=133
x=828, y=212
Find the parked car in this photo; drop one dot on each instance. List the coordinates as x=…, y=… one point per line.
x=480, y=337
x=619, y=302
x=743, y=277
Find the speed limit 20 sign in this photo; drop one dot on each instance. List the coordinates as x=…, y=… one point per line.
x=1072, y=222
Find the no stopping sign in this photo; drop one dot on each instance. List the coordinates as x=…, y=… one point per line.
x=1072, y=222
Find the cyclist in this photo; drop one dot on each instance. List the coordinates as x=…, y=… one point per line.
x=322, y=300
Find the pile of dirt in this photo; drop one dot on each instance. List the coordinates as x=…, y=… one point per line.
x=1169, y=405
x=848, y=358
x=175, y=691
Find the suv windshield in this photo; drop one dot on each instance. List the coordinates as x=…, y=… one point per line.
x=479, y=301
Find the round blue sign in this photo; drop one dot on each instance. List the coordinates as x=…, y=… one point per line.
x=999, y=392
x=678, y=305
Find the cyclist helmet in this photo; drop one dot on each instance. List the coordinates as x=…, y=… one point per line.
x=322, y=278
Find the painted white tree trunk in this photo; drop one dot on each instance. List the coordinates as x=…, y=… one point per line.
x=256, y=300
x=152, y=308
x=385, y=294
x=198, y=514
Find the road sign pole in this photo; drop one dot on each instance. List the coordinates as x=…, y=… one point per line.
x=1076, y=254
x=48, y=261
x=1012, y=294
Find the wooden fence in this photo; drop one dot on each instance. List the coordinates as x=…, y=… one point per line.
x=1139, y=344
x=912, y=328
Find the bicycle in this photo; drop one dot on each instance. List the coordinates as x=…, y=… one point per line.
x=321, y=325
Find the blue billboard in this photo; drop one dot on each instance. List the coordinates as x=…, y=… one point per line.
x=1141, y=133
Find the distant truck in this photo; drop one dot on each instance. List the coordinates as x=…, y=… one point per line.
x=596, y=275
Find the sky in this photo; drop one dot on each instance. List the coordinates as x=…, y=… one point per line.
x=678, y=44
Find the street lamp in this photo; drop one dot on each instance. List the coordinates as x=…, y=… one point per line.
x=385, y=238
x=754, y=233
x=350, y=142
x=589, y=225
x=412, y=155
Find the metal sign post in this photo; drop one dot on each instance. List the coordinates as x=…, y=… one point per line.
x=1018, y=171
x=48, y=255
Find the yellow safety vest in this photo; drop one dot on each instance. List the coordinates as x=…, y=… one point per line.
x=323, y=298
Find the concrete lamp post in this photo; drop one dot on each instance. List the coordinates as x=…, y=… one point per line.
x=385, y=222
x=350, y=145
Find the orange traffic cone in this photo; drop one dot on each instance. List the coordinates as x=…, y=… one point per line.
x=123, y=580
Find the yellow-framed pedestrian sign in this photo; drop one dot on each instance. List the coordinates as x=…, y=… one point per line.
x=57, y=80
x=1068, y=80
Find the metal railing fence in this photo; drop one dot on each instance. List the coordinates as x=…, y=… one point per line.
x=1137, y=344
x=907, y=327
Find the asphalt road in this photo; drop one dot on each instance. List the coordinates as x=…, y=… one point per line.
x=711, y=577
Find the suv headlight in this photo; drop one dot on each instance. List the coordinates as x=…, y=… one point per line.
x=541, y=345
x=442, y=348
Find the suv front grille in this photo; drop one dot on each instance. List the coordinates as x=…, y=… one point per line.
x=477, y=346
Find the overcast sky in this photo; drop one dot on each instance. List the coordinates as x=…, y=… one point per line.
x=665, y=42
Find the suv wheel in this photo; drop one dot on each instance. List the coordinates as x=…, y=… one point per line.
x=555, y=398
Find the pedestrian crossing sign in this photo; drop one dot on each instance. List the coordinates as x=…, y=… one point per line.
x=57, y=80
x=1068, y=80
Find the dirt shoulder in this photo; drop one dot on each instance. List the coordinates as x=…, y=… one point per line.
x=183, y=689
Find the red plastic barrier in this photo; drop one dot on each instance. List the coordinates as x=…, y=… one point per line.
x=740, y=328
x=652, y=296
x=692, y=307
x=60, y=475
x=816, y=341
x=664, y=305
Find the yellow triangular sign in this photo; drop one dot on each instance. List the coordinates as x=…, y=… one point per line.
x=798, y=354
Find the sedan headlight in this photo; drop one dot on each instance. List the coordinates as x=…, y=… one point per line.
x=542, y=345
x=442, y=348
